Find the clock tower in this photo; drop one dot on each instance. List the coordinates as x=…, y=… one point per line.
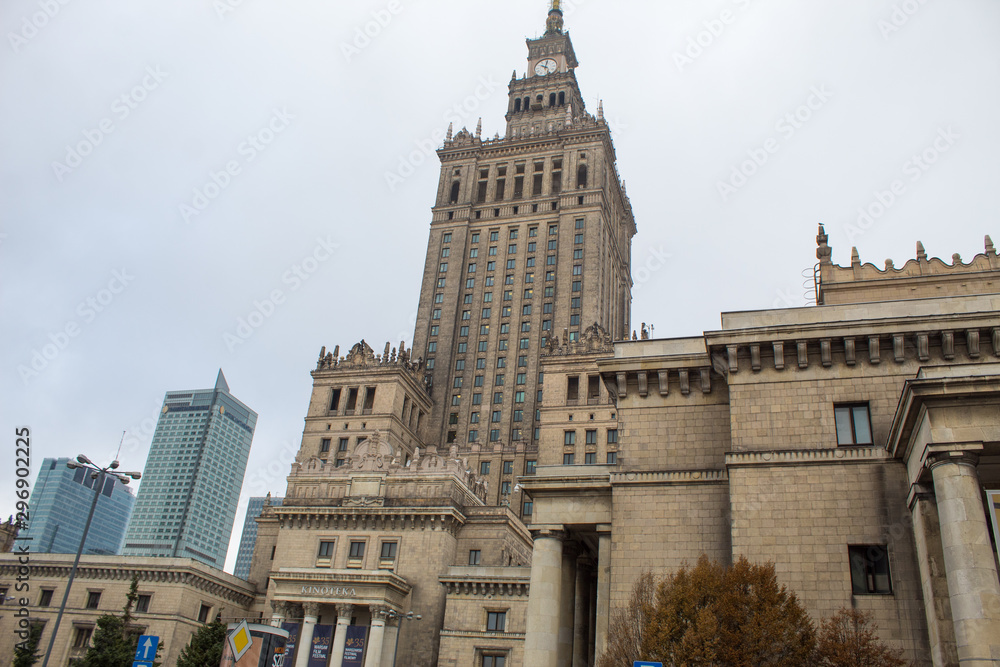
x=548, y=97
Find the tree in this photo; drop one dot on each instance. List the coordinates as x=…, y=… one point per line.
x=628, y=624
x=113, y=645
x=24, y=652
x=205, y=647
x=850, y=639
x=728, y=617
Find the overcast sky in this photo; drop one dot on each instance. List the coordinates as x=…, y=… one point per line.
x=167, y=169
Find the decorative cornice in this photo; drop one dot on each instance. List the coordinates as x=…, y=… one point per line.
x=483, y=585
x=449, y=519
x=669, y=477
x=798, y=457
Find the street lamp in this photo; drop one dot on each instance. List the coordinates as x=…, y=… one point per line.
x=392, y=613
x=98, y=474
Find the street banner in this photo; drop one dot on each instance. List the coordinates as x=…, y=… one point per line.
x=319, y=652
x=354, y=649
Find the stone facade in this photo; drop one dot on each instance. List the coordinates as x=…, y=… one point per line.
x=177, y=596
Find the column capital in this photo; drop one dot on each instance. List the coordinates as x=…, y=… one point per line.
x=379, y=611
x=549, y=532
x=310, y=609
x=279, y=607
x=961, y=453
x=345, y=610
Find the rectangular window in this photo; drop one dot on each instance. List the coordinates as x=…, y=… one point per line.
x=475, y=556
x=578, y=239
x=142, y=604
x=498, y=397
x=444, y=267
x=442, y=282
x=324, y=445
x=575, y=302
x=357, y=550
x=870, y=570
x=612, y=458
x=445, y=252
x=491, y=266
x=568, y=459
x=512, y=249
x=590, y=458
x=550, y=260
x=446, y=238
x=203, y=613
x=499, y=380
x=388, y=551
x=569, y=437
x=473, y=436
x=591, y=437
x=326, y=549
x=853, y=424
x=335, y=400
x=612, y=436
x=93, y=599
x=505, y=488
x=508, y=467
x=502, y=344
x=464, y=331
x=460, y=365
x=436, y=315
x=496, y=621
x=495, y=435
x=511, y=264
x=528, y=508
x=81, y=637
x=464, y=347
x=479, y=380
x=477, y=399
x=529, y=467
x=44, y=601
x=484, y=467
x=435, y=330
x=519, y=397
x=480, y=363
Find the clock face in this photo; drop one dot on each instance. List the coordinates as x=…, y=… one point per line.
x=547, y=66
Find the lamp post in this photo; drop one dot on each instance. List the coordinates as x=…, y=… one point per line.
x=408, y=616
x=100, y=475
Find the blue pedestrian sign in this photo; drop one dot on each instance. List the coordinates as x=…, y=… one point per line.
x=146, y=649
x=139, y=663
x=647, y=664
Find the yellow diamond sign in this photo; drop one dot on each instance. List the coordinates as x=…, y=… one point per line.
x=240, y=641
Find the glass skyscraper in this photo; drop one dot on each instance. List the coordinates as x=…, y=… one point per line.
x=60, y=501
x=249, y=537
x=191, y=485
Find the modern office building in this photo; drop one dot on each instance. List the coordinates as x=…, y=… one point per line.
x=249, y=537
x=191, y=485
x=60, y=502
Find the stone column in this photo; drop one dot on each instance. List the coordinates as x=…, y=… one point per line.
x=392, y=626
x=310, y=614
x=567, y=605
x=344, y=613
x=930, y=559
x=603, y=588
x=279, y=612
x=592, y=617
x=581, y=615
x=376, y=636
x=968, y=557
x=541, y=642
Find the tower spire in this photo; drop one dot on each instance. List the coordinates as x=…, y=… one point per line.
x=554, y=24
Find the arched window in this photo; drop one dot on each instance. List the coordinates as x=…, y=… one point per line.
x=562, y=99
x=517, y=105
x=527, y=104
x=552, y=99
x=539, y=100
x=581, y=176
x=454, y=192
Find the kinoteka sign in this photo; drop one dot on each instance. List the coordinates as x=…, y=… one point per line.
x=329, y=590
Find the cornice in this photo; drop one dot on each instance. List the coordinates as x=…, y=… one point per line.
x=448, y=519
x=800, y=457
x=666, y=477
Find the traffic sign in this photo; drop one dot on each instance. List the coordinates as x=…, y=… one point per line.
x=145, y=651
x=240, y=640
x=647, y=664
x=140, y=663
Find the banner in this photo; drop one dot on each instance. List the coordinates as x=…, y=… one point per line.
x=993, y=515
x=320, y=649
x=354, y=649
x=293, y=639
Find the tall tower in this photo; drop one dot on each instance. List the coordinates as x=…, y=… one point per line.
x=530, y=239
x=191, y=485
x=62, y=497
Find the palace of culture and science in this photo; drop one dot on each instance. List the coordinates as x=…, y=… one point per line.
x=508, y=477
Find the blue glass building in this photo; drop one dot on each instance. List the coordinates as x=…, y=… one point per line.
x=60, y=501
x=249, y=537
x=190, y=488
